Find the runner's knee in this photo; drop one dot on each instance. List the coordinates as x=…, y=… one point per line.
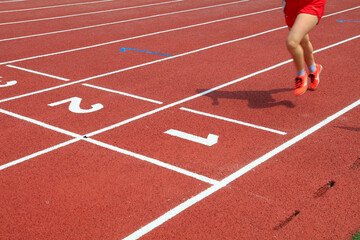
x=292, y=43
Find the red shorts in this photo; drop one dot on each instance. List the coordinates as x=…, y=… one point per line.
x=292, y=8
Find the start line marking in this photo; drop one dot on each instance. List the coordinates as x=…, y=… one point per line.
x=39, y=73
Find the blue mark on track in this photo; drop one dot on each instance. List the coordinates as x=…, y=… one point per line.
x=347, y=21
x=124, y=48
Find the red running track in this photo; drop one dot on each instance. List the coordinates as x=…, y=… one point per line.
x=129, y=178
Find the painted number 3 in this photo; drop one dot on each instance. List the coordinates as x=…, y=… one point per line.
x=75, y=105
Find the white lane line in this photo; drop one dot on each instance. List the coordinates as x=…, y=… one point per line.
x=178, y=102
x=153, y=161
x=151, y=34
x=126, y=39
x=39, y=73
x=120, y=40
x=12, y=1
x=128, y=20
x=185, y=205
x=288, y=144
x=116, y=41
x=54, y=6
x=134, y=67
x=21, y=160
x=122, y=93
x=180, y=55
x=98, y=143
x=42, y=124
x=233, y=121
x=210, y=90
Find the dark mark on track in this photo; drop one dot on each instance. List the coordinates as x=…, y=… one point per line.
x=287, y=220
x=321, y=191
x=355, y=165
x=85, y=137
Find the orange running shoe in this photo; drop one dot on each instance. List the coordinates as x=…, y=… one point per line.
x=315, y=77
x=300, y=84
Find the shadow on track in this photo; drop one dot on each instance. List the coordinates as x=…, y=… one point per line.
x=349, y=128
x=256, y=99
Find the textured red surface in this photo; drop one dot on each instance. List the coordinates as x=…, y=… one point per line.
x=19, y=138
x=84, y=191
x=261, y=200
x=87, y=192
x=115, y=107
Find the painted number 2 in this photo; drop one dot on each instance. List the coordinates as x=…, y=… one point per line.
x=75, y=105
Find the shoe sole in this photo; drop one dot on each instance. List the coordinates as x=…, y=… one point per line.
x=300, y=93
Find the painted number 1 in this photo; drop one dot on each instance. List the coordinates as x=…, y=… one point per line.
x=8, y=84
x=209, y=141
x=75, y=105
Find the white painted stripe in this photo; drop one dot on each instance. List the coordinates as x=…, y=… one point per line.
x=116, y=41
x=185, y=205
x=122, y=93
x=42, y=124
x=133, y=67
x=210, y=90
x=234, y=121
x=129, y=20
x=180, y=55
x=39, y=73
x=153, y=161
x=343, y=11
x=54, y=6
x=146, y=35
x=98, y=143
x=288, y=144
x=125, y=39
x=172, y=213
x=21, y=160
x=12, y=1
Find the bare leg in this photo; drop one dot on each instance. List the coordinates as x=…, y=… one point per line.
x=308, y=50
x=304, y=23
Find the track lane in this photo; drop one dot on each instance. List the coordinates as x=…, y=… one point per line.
x=87, y=191
x=115, y=55
x=19, y=138
x=112, y=16
x=283, y=215
x=230, y=61
x=253, y=205
x=271, y=97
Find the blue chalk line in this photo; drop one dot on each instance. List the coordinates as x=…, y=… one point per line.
x=347, y=21
x=124, y=48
